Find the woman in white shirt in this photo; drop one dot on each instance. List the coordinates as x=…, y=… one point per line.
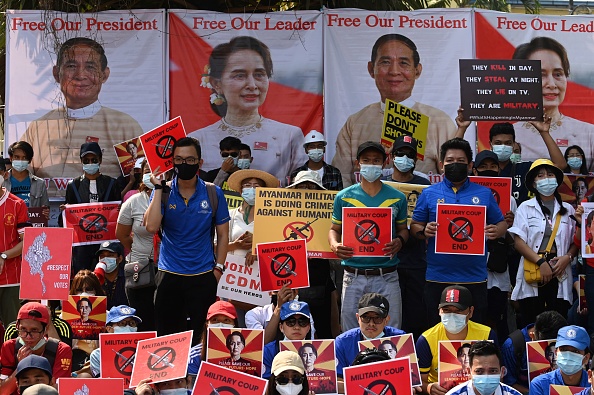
x=532, y=229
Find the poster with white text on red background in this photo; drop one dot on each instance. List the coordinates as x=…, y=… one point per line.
x=568, y=89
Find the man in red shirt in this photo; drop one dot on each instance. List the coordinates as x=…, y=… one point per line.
x=32, y=321
x=14, y=218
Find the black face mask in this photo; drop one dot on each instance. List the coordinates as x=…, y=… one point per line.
x=488, y=173
x=274, y=299
x=185, y=171
x=22, y=388
x=456, y=172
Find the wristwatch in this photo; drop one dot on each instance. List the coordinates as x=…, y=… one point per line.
x=220, y=267
x=4, y=256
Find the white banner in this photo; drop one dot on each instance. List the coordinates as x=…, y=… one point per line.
x=242, y=283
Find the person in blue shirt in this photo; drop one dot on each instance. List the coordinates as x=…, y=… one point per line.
x=189, y=267
x=447, y=269
x=572, y=354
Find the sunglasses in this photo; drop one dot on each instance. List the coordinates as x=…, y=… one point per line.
x=232, y=154
x=411, y=155
x=376, y=319
x=291, y=322
x=282, y=380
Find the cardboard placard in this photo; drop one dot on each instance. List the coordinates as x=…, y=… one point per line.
x=37, y=218
x=128, y=152
x=367, y=229
x=118, y=352
x=461, y=229
x=93, y=223
x=236, y=349
x=555, y=389
x=400, y=120
x=157, y=144
x=319, y=360
x=501, y=187
x=498, y=90
x=385, y=377
x=283, y=263
x=214, y=379
x=400, y=346
x=293, y=214
x=587, y=230
x=46, y=260
x=541, y=357
x=162, y=358
x=453, y=365
x=86, y=315
x=90, y=386
x=582, y=302
x=241, y=282
x=412, y=192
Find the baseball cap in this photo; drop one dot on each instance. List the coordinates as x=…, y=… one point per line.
x=374, y=302
x=111, y=246
x=287, y=360
x=120, y=313
x=294, y=307
x=485, y=154
x=371, y=145
x=40, y=389
x=574, y=336
x=307, y=175
x=90, y=148
x=221, y=307
x=457, y=296
x=34, y=311
x=405, y=141
x=313, y=137
x=34, y=361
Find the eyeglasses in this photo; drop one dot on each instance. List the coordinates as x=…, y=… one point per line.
x=32, y=334
x=251, y=185
x=130, y=322
x=231, y=154
x=88, y=161
x=190, y=161
x=376, y=319
x=411, y=155
x=282, y=380
x=302, y=322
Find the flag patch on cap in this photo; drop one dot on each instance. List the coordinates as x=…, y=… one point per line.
x=453, y=296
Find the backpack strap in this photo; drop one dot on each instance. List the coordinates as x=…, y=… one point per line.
x=109, y=187
x=76, y=185
x=211, y=189
x=50, y=352
x=519, y=344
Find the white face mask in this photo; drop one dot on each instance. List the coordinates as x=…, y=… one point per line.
x=371, y=338
x=146, y=180
x=174, y=391
x=20, y=165
x=111, y=263
x=220, y=325
x=453, y=323
x=289, y=389
x=124, y=329
x=36, y=347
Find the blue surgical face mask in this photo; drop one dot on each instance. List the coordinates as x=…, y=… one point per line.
x=573, y=162
x=110, y=263
x=249, y=195
x=486, y=384
x=546, y=186
x=453, y=323
x=174, y=391
x=515, y=158
x=220, y=325
x=20, y=165
x=371, y=172
x=404, y=163
x=91, y=168
x=371, y=338
x=316, y=154
x=569, y=362
x=124, y=329
x=243, y=164
x=146, y=180
x=503, y=152
x=234, y=160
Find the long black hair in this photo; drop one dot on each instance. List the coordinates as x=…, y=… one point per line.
x=583, y=167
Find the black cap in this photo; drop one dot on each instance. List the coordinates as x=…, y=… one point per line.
x=485, y=154
x=405, y=141
x=111, y=246
x=457, y=296
x=371, y=145
x=90, y=148
x=374, y=302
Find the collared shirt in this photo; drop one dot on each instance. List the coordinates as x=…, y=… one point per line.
x=455, y=268
x=540, y=385
x=332, y=179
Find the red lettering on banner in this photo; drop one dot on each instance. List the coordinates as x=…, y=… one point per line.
x=504, y=23
x=577, y=27
x=130, y=24
x=200, y=23
x=334, y=19
x=61, y=183
x=20, y=23
x=432, y=23
x=289, y=25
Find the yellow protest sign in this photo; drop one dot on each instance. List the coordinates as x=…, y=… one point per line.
x=291, y=214
x=399, y=120
x=233, y=198
x=412, y=192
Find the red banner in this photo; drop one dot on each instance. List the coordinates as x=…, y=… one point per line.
x=162, y=359
x=93, y=223
x=461, y=229
x=236, y=349
x=128, y=152
x=283, y=263
x=46, y=259
x=319, y=361
x=118, y=351
x=90, y=386
x=158, y=144
x=367, y=230
x=214, y=379
x=500, y=187
x=386, y=377
x=86, y=315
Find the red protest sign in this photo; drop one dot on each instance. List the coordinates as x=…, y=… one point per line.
x=214, y=379
x=118, y=351
x=128, y=152
x=236, y=349
x=157, y=144
x=366, y=230
x=283, y=263
x=86, y=315
x=90, y=386
x=461, y=229
x=162, y=359
x=401, y=346
x=385, y=377
x=93, y=223
x=45, y=268
x=319, y=361
x=501, y=187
